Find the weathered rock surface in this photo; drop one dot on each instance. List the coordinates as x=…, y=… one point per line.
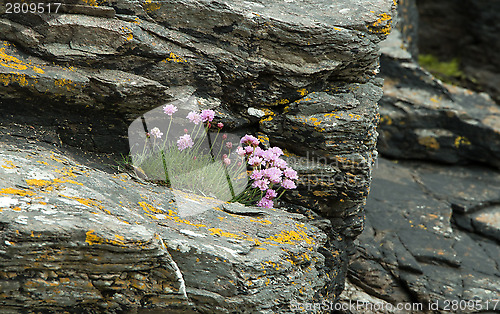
x=467, y=30
x=422, y=118
x=429, y=238
x=285, y=69
x=78, y=239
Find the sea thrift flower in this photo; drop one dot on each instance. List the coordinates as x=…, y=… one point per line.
x=229, y=145
x=156, y=132
x=269, y=156
x=248, y=150
x=276, y=150
x=270, y=194
x=250, y=140
x=184, y=142
x=265, y=203
x=185, y=131
x=207, y=115
x=274, y=174
x=240, y=151
x=254, y=161
x=226, y=161
x=224, y=136
x=169, y=109
x=194, y=117
x=262, y=184
x=220, y=125
x=288, y=184
x=290, y=174
x=280, y=163
x=257, y=174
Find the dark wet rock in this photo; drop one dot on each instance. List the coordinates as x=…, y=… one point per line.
x=78, y=239
x=412, y=250
x=468, y=31
x=420, y=118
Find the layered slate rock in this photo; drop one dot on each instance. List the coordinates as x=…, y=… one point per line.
x=422, y=118
x=74, y=238
x=431, y=238
x=301, y=73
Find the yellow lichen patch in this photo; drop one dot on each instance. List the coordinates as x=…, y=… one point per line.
x=85, y=201
x=220, y=232
x=9, y=165
x=92, y=239
x=263, y=138
x=16, y=64
x=461, y=140
x=43, y=162
x=7, y=79
x=261, y=221
x=429, y=142
x=321, y=193
x=151, y=6
x=173, y=58
x=171, y=215
x=69, y=84
x=16, y=192
x=93, y=3
x=291, y=237
x=38, y=183
x=386, y=120
x=302, y=92
x=378, y=27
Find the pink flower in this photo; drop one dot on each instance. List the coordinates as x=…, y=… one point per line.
x=268, y=155
x=261, y=184
x=265, y=203
x=224, y=136
x=270, y=194
x=276, y=150
x=226, y=161
x=169, y=109
x=290, y=174
x=239, y=163
x=288, y=184
x=184, y=142
x=207, y=115
x=250, y=140
x=156, y=132
x=254, y=161
x=257, y=174
x=280, y=163
x=248, y=150
x=185, y=131
x=229, y=145
x=274, y=174
x=258, y=151
x=220, y=125
x=194, y=117
x=240, y=151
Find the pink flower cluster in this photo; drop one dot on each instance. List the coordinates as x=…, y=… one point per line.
x=205, y=116
x=269, y=170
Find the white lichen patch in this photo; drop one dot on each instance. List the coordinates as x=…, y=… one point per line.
x=6, y=202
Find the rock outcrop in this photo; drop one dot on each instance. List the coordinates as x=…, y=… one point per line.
x=299, y=74
x=288, y=70
x=432, y=230
x=431, y=238
x=78, y=239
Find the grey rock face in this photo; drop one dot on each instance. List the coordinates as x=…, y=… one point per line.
x=76, y=238
x=308, y=66
x=300, y=74
x=422, y=118
x=431, y=237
